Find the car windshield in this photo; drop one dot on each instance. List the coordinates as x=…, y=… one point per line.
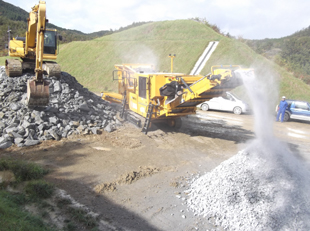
x=233, y=95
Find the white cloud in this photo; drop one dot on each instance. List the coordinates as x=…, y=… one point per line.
x=255, y=19
x=228, y=4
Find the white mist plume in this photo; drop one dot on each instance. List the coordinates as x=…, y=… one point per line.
x=260, y=104
x=264, y=187
x=139, y=53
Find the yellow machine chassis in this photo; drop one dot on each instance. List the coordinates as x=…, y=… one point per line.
x=140, y=90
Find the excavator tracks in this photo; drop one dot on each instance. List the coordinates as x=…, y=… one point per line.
x=13, y=67
x=52, y=69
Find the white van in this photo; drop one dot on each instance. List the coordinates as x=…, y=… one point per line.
x=227, y=102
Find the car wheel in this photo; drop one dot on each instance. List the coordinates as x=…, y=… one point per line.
x=237, y=110
x=286, y=117
x=205, y=107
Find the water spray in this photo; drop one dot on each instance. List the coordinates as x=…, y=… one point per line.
x=264, y=187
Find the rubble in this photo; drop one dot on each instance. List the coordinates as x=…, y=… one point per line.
x=252, y=192
x=72, y=110
x=264, y=187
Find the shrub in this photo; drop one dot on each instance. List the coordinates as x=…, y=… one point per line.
x=81, y=215
x=39, y=189
x=5, y=164
x=22, y=170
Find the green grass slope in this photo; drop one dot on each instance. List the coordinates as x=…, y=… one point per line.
x=2, y=60
x=92, y=62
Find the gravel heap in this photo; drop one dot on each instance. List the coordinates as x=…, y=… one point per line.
x=261, y=188
x=72, y=110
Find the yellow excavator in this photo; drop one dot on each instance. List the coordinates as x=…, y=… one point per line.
x=38, y=45
x=165, y=97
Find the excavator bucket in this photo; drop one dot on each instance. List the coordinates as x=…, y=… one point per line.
x=37, y=93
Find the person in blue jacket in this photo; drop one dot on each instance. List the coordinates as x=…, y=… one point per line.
x=282, y=107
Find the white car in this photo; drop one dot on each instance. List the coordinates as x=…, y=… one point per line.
x=227, y=102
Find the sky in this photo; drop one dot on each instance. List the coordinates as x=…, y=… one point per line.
x=249, y=19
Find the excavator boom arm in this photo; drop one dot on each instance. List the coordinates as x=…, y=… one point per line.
x=37, y=88
x=41, y=26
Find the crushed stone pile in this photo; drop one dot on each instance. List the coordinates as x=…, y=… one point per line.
x=261, y=188
x=72, y=110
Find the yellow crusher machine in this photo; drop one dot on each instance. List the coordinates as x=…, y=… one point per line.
x=39, y=44
x=165, y=97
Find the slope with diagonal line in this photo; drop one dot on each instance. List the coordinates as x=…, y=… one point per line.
x=92, y=62
x=204, y=58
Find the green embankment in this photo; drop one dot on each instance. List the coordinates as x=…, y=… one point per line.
x=92, y=62
x=2, y=60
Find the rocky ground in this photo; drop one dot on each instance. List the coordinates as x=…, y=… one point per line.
x=141, y=182
x=132, y=181
x=252, y=192
x=72, y=110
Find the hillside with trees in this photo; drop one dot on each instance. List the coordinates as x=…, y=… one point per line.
x=291, y=52
x=15, y=19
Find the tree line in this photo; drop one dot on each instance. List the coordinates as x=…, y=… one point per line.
x=291, y=52
x=15, y=19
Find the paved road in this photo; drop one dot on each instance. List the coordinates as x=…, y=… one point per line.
x=294, y=132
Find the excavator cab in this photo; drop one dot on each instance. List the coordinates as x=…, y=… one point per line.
x=50, y=45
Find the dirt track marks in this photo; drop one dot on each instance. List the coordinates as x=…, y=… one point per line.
x=127, y=178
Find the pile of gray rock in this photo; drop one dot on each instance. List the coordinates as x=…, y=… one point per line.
x=260, y=188
x=72, y=110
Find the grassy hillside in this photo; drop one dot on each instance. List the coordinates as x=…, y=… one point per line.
x=92, y=62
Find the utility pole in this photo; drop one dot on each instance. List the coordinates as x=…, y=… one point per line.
x=9, y=38
x=172, y=57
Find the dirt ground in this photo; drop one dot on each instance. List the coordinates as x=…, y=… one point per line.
x=138, y=182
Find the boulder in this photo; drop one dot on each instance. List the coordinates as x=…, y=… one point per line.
x=109, y=128
x=31, y=142
x=57, y=87
x=5, y=144
x=18, y=140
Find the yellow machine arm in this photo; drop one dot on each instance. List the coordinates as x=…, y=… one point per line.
x=38, y=45
x=35, y=36
x=37, y=88
x=166, y=96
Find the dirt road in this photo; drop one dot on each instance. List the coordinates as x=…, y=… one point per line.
x=138, y=182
